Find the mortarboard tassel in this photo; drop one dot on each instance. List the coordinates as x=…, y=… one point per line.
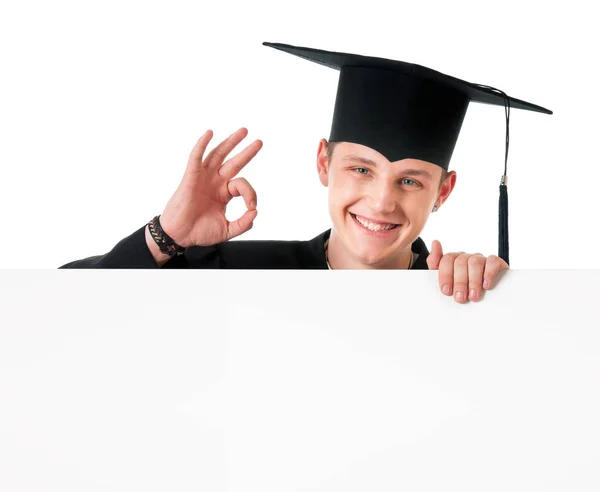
x=503, y=200
x=503, y=221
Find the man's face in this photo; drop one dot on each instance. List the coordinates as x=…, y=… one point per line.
x=378, y=208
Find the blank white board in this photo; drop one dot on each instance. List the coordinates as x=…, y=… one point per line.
x=296, y=381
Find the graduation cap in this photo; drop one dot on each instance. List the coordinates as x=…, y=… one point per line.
x=403, y=110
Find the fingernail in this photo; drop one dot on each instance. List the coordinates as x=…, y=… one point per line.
x=473, y=294
x=459, y=296
x=252, y=204
x=446, y=289
x=486, y=284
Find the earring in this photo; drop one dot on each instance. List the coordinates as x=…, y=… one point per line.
x=435, y=208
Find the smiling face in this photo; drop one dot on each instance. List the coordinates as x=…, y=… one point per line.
x=378, y=208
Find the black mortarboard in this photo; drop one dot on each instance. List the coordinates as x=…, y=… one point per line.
x=403, y=110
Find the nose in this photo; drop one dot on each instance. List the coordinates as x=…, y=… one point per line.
x=382, y=197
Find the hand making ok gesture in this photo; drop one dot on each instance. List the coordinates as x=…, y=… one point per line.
x=195, y=214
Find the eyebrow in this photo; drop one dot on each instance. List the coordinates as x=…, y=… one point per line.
x=409, y=172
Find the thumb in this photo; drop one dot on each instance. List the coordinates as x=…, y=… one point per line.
x=433, y=260
x=241, y=225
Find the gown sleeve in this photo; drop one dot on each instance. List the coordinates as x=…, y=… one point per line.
x=131, y=252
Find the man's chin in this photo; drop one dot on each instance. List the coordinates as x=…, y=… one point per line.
x=378, y=255
x=371, y=258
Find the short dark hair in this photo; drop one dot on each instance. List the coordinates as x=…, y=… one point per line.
x=443, y=178
x=331, y=148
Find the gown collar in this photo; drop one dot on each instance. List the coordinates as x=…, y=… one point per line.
x=317, y=249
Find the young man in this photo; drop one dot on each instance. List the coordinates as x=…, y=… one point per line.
x=386, y=168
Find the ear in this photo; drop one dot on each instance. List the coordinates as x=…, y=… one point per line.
x=446, y=188
x=322, y=164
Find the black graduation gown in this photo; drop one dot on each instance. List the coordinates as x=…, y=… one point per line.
x=132, y=252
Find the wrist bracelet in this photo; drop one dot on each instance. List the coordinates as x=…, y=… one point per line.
x=165, y=243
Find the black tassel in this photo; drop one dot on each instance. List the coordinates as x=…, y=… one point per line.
x=503, y=223
x=503, y=201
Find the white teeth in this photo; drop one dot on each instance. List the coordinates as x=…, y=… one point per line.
x=374, y=227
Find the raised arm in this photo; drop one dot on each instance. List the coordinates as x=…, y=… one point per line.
x=195, y=214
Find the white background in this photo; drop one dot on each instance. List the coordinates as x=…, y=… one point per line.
x=100, y=104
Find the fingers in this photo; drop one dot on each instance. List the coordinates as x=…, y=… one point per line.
x=433, y=260
x=241, y=187
x=464, y=272
x=467, y=275
x=234, y=165
x=493, y=266
x=446, y=272
x=197, y=154
x=461, y=278
x=476, y=267
x=216, y=156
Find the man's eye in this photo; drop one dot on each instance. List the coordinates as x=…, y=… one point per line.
x=361, y=170
x=408, y=181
